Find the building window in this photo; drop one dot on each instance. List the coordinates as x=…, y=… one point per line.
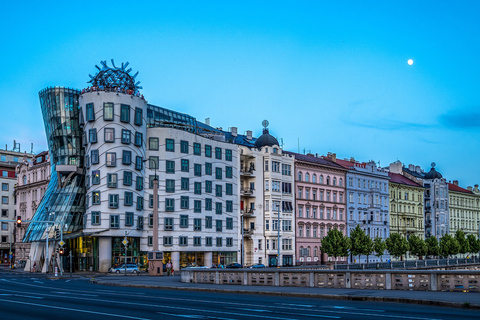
x=198, y=188
x=150, y=241
x=229, y=242
x=229, y=206
x=94, y=156
x=128, y=201
x=183, y=241
x=197, y=241
x=185, y=184
x=184, y=146
x=114, y=221
x=208, y=151
x=218, y=207
x=139, y=183
x=208, y=186
x=109, y=134
x=111, y=180
x=228, y=154
x=167, y=241
x=197, y=169
x=95, y=217
x=139, y=203
x=218, y=153
x=228, y=172
x=185, y=165
x=168, y=223
x=170, y=185
x=218, y=190
x=126, y=136
x=229, y=224
x=138, y=139
x=127, y=178
x=128, y=219
x=218, y=173
x=197, y=206
x=138, y=116
x=125, y=113
x=150, y=220
x=208, y=168
x=111, y=159
x=183, y=221
x=108, y=111
x=113, y=201
x=126, y=157
x=275, y=166
x=153, y=143
x=140, y=223
x=219, y=241
x=218, y=225
x=184, y=202
x=208, y=204
x=228, y=189
x=169, y=204
x=90, y=112
x=208, y=241
x=170, y=166
x=208, y=222
x=95, y=197
x=95, y=177
x=153, y=162
x=170, y=145
x=92, y=135
x=197, y=149
x=138, y=163
x=197, y=224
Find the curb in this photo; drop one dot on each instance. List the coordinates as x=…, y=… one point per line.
x=306, y=295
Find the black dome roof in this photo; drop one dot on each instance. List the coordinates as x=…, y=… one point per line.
x=266, y=139
x=433, y=174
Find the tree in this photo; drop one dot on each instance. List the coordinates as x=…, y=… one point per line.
x=417, y=246
x=432, y=246
x=474, y=244
x=368, y=246
x=379, y=246
x=335, y=244
x=464, y=244
x=396, y=245
x=448, y=245
x=357, y=242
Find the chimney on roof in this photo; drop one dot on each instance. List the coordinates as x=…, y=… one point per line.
x=411, y=167
x=234, y=131
x=469, y=188
x=249, y=134
x=455, y=182
x=334, y=157
x=310, y=154
x=207, y=121
x=316, y=155
x=352, y=159
x=475, y=188
x=418, y=169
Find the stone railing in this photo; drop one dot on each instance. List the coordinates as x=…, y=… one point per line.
x=422, y=280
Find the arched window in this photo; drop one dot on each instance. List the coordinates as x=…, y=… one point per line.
x=334, y=181
x=315, y=251
x=328, y=181
x=340, y=182
x=321, y=179
x=24, y=179
x=299, y=175
x=307, y=177
x=314, y=178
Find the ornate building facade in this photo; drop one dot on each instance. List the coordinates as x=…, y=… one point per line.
x=464, y=209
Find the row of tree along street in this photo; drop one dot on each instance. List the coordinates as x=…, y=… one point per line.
x=335, y=244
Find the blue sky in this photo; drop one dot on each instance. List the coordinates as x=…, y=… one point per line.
x=330, y=76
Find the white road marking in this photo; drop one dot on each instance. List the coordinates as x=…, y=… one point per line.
x=76, y=310
x=297, y=305
x=199, y=316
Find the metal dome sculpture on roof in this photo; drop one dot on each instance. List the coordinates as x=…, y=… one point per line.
x=266, y=139
x=433, y=174
x=118, y=77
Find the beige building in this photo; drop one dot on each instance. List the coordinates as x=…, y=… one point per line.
x=464, y=206
x=32, y=180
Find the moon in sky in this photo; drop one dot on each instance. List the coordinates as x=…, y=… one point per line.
x=410, y=62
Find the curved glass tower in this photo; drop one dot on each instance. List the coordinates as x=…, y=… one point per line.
x=64, y=199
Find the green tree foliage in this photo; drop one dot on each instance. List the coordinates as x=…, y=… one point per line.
x=379, y=247
x=397, y=245
x=448, y=245
x=358, y=242
x=335, y=244
x=462, y=242
x=474, y=244
x=417, y=246
x=432, y=246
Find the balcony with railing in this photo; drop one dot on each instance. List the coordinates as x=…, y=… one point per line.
x=247, y=170
x=247, y=192
x=248, y=213
x=248, y=232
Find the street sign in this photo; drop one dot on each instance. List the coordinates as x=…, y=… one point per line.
x=125, y=242
x=61, y=243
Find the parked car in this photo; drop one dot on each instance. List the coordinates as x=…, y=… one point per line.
x=234, y=265
x=257, y=265
x=131, y=268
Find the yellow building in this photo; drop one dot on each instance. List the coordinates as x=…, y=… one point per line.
x=406, y=206
x=464, y=207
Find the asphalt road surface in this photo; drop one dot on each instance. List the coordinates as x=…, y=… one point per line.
x=36, y=297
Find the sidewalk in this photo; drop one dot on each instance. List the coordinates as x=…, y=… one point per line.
x=439, y=298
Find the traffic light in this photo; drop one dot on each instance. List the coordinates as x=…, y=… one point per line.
x=57, y=233
x=19, y=221
x=61, y=251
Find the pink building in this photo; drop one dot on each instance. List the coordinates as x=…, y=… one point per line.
x=320, y=205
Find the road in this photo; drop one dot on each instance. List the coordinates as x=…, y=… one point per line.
x=37, y=297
